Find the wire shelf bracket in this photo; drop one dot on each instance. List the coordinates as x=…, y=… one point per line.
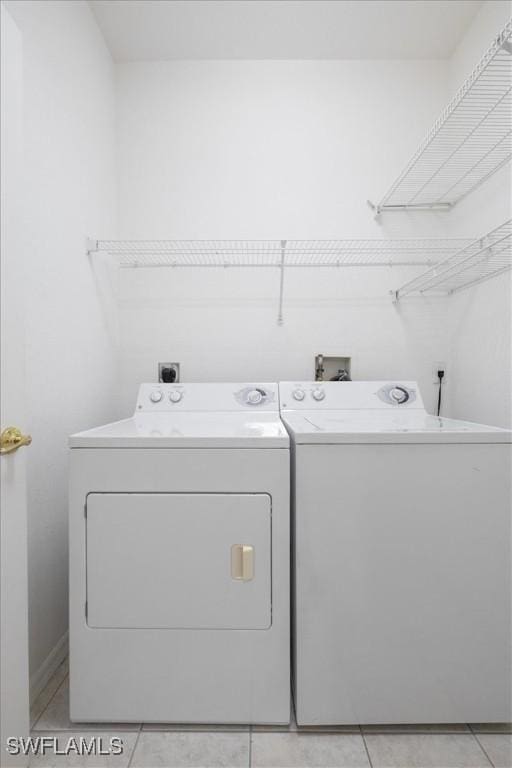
x=277, y=254
x=91, y=246
x=468, y=143
x=280, y=318
x=487, y=257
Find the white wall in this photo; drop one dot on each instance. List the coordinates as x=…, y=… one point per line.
x=481, y=344
x=293, y=149
x=70, y=355
x=241, y=149
x=267, y=148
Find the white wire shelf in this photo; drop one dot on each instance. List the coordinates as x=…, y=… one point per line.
x=471, y=139
x=483, y=259
x=278, y=253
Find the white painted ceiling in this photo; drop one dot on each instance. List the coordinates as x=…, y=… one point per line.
x=137, y=30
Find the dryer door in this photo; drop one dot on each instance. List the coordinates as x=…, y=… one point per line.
x=178, y=561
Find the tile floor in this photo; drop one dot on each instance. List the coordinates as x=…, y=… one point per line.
x=149, y=745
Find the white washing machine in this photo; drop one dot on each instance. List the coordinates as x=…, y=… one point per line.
x=179, y=560
x=401, y=528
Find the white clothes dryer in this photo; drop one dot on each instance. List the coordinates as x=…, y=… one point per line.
x=179, y=560
x=401, y=530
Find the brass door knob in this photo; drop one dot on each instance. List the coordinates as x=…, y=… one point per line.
x=11, y=439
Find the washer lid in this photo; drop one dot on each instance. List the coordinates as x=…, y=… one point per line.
x=187, y=430
x=387, y=427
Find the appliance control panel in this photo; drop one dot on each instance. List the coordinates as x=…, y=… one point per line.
x=169, y=398
x=349, y=395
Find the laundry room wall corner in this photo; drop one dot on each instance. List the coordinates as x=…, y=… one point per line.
x=480, y=374
x=71, y=352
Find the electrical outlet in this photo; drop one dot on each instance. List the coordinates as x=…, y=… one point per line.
x=165, y=368
x=438, y=366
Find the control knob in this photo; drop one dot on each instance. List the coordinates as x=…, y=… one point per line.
x=254, y=397
x=318, y=394
x=399, y=395
x=298, y=394
x=175, y=396
x=155, y=396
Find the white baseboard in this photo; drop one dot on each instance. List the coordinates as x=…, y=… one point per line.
x=54, y=659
